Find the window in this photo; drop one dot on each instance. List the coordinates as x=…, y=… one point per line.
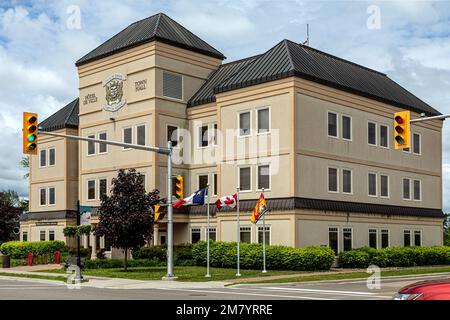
x=140, y=135
x=246, y=235
x=91, y=189
x=263, y=116
x=212, y=234
x=333, y=242
x=195, y=235
x=244, y=124
x=372, y=133
x=43, y=197
x=24, y=236
x=346, y=128
x=384, y=186
x=127, y=136
x=418, y=238
x=172, y=135
x=384, y=134
x=332, y=124
x=372, y=179
x=51, y=156
x=203, y=136
x=202, y=181
x=214, y=134
x=346, y=181
x=417, y=190
x=42, y=235
x=43, y=158
x=416, y=143
x=406, y=189
x=264, y=177
x=347, y=235
x=215, y=185
x=102, y=147
x=406, y=238
x=373, y=235
x=244, y=179
x=91, y=146
x=261, y=234
x=102, y=188
x=51, y=235
x=384, y=238
x=172, y=85
x=51, y=196
x=332, y=180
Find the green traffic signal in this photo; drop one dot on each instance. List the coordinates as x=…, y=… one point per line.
x=31, y=138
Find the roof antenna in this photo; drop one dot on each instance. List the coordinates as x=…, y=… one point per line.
x=307, y=35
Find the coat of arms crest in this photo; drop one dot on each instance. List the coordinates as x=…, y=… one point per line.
x=114, y=92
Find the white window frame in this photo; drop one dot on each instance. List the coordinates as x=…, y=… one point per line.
x=48, y=156
x=102, y=178
x=410, y=193
x=182, y=86
x=381, y=237
x=257, y=176
x=123, y=137
x=101, y=132
x=413, y=190
x=388, y=186
x=48, y=196
x=199, y=129
x=337, y=124
x=257, y=124
x=215, y=183
x=246, y=227
x=213, y=133
x=239, y=178
x=351, y=231
x=145, y=133
x=95, y=190
x=379, y=133
x=413, y=240
x=376, y=237
x=342, y=127
x=40, y=197
x=24, y=232
x=91, y=136
x=351, y=180
x=328, y=179
x=54, y=235
x=376, y=133
x=40, y=157
x=198, y=179
x=410, y=237
x=239, y=124
x=177, y=131
x=45, y=235
x=413, y=144
x=197, y=230
x=270, y=233
x=376, y=184
x=338, y=238
x=210, y=228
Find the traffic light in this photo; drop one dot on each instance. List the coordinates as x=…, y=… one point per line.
x=402, y=130
x=178, y=187
x=156, y=212
x=30, y=133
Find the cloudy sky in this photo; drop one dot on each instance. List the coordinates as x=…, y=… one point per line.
x=41, y=39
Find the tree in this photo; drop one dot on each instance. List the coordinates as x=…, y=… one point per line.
x=25, y=163
x=125, y=217
x=8, y=217
x=447, y=229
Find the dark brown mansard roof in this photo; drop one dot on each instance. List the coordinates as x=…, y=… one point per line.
x=66, y=117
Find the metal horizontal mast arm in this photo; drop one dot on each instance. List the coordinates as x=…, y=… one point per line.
x=161, y=150
x=441, y=117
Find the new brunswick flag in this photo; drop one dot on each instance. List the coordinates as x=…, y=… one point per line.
x=260, y=209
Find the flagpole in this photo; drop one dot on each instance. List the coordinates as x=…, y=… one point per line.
x=208, y=274
x=264, y=241
x=238, y=273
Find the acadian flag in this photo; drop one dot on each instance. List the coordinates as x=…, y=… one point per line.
x=259, y=210
x=197, y=198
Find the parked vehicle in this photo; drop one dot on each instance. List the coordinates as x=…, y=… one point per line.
x=425, y=290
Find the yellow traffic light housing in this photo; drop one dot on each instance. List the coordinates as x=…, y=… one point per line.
x=156, y=212
x=402, y=131
x=30, y=133
x=178, y=187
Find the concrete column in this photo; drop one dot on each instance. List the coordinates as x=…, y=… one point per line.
x=155, y=234
x=102, y=242
x=85, y=241
x=94, y=246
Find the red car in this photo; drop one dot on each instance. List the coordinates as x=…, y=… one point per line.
x=425, y=290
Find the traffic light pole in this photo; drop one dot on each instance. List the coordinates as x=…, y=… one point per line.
x=441, y=117
x=161, y=150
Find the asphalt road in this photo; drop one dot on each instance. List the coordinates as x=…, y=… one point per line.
x=342, y=290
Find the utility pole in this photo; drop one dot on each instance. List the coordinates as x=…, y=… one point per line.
x=161, y=150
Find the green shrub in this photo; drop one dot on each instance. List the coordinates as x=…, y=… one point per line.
x=20, y=250
x=224, y=255
x=395, y=257
x=181, y=252
x=84, y=252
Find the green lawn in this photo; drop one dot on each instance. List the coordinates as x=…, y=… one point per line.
x=33, y=276
x=183, y=273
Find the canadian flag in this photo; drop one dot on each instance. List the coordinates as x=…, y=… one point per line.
x=227, y=201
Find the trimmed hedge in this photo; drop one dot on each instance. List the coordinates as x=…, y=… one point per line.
x=224, y=255
x=19, y=250
x=181, y=252
x=395, y=257
x=119, y=263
